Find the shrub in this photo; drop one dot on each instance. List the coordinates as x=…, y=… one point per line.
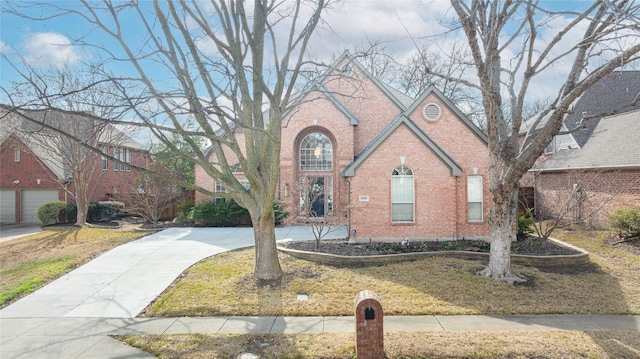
x=279, y=212
x=230, y=213
x=103, y=210
x=221, y=213
x=70, y=213
x=525, y=226
x=185, y=210
x=49, y=213
x=625, y=220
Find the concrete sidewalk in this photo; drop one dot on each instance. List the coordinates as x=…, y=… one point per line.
x=89, y=337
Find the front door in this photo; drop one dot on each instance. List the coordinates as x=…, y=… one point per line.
x=315, y=196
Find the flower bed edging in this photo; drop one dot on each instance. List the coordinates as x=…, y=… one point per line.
x=580, y=259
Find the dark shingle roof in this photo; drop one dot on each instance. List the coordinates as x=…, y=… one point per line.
x=613, y=144
x=612, y=94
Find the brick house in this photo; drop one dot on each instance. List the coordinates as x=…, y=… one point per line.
x=586, y=174
x=357, y=152
x=32, y=176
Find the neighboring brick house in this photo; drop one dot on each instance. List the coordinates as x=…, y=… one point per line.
x=359, y=153
x=586, y=174
x=32, y=176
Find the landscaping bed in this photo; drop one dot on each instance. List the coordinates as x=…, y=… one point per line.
x=532, y=251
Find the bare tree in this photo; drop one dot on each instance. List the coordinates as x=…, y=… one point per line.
x=152, y=193
x=230, y=69
x=577, y=195
x=508, y=50
x=70, y=130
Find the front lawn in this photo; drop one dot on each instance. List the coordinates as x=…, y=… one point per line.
x=222, y=285
x=30, y=262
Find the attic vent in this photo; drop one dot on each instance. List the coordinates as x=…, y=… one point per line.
x=347, y=70
x=431, y=112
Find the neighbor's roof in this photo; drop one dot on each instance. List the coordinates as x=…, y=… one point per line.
x=613, y=144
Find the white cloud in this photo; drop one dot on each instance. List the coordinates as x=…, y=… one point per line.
x=50, y=49
x=3, y=46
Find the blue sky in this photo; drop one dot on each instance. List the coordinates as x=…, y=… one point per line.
x=402, y=24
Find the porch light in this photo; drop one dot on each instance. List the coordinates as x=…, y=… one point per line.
x=286, y=189
x=38, y=181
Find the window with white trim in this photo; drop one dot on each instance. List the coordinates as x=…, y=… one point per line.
x=16, y=155
x=116, y=155
x=127, y=158
x=316, y=153
x=124, y=156
x=402, y=195
x=474, y=198
x=105, y=164
x=219, y=189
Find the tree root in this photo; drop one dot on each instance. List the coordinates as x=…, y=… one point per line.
x=509, y=277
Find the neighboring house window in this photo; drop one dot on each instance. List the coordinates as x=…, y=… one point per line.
x=402, y=197
x=124, y=156
x=219, y=189
x=549, y=148
x=316, y=153
x=116, y=154
x=474, y=198
x=16, y=155
x=104, y=159
x=128, y=158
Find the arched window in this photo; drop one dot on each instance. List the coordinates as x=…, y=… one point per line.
x=402, y=197
x=316, y=153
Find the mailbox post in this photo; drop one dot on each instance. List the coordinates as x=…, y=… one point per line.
x=369, y=326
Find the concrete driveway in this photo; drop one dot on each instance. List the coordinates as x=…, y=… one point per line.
x=122, y=282
x=13, y=231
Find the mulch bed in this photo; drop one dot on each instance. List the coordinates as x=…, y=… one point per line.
x=531, y=246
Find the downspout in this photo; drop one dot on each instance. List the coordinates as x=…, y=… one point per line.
x=458, y=216
x=348, y=208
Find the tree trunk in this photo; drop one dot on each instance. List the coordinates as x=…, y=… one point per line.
x=82, y=206
x=501, y=221
x=267, y=267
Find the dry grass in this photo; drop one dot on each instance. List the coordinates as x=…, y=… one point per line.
x=512, y=345
x=222, y=286
x=30, y=262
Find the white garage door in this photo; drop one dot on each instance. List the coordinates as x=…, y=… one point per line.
x=32, y=199
x=8, y=206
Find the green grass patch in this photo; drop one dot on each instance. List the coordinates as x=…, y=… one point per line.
x=31, y=276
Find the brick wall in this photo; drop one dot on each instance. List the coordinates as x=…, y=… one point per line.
x=27, y=171
x=440, y=199
x=601, y=192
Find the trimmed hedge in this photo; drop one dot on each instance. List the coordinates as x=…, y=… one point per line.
x=230, y=214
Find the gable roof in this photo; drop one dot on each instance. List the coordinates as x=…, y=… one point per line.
x=614, y=93
x=401, y=120
x=613, y=144
x=618, y=92
x=31, y=135
x=432, y=90
x=394, y=95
